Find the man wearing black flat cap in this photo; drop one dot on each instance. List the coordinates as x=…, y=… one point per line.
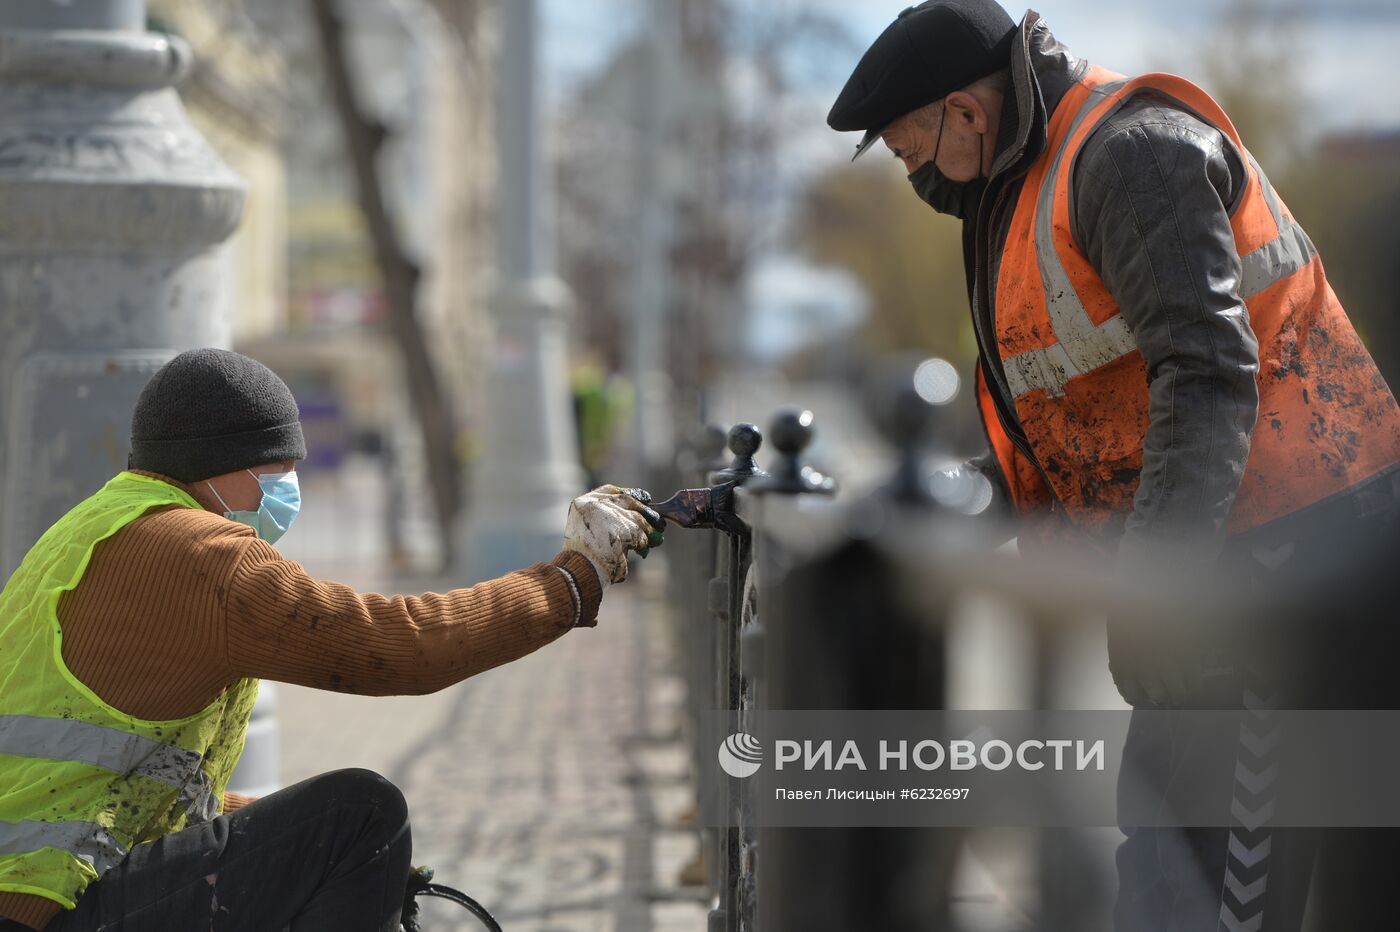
x=1141, y=297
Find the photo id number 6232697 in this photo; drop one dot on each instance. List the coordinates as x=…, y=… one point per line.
x=938, y=793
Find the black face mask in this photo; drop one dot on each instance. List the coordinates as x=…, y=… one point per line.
x=955, y=198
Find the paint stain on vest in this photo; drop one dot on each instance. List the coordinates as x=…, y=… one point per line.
x=1290, y=364
x=1345, y=442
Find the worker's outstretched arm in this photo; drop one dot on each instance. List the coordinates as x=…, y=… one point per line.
x=284, y=625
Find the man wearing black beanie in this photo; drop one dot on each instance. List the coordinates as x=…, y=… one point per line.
x=1142, y=298
x=208, y=412
x=132, y=639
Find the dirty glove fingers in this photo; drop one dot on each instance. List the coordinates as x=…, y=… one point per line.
x=630, y=500
x=635, y=499
x=642, y=532
x=654, y=530
x=641, y=495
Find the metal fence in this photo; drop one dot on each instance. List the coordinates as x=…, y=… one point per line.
x=807, y=601
x=801, y=601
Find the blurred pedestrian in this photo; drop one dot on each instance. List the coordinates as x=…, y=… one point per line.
x=602, y=403
x=132, y=639
x=1164, y=372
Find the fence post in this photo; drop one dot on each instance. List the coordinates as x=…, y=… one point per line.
x=735, y=558
x=790, y=431
x=838, y=636
x=735, y=636
x=690, y=559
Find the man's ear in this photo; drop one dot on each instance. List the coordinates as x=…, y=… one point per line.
x=964, y=110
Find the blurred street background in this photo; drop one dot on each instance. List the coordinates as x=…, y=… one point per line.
x=720, y=252
x=505, y=251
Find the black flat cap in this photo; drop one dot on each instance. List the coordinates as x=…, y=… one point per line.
x=929, y=51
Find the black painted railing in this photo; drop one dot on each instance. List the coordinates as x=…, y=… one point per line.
x=800, y=599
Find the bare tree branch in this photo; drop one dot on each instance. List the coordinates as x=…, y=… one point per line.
x=363, y=138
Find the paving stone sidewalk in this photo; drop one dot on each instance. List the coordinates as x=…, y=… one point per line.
x=551, y=789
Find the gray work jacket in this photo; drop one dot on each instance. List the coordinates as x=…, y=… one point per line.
x=1150, y=202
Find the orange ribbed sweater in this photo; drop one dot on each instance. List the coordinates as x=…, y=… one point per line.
x=179, y=604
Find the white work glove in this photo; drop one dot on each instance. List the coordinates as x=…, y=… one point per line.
x=606, y=523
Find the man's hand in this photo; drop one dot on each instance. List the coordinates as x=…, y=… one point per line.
x=1151, y=666
x=606, y=523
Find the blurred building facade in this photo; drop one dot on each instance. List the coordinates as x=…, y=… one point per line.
x=653, y=235
x=234, y=96
x=307, y=297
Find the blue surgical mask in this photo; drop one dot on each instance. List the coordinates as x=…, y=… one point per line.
x=281, y=500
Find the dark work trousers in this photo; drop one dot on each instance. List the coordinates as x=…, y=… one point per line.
x=330, y=854
x=1253, y=877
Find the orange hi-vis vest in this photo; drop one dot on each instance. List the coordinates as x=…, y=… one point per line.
x=1327, y=420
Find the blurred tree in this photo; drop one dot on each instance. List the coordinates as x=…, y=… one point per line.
x=364, y=136
x=1346, y=194
x=714, y=143
x=1344, y=188
x=1249, y=62
x=867, y=220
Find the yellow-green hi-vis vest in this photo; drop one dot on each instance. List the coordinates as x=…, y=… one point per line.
x=80, y=781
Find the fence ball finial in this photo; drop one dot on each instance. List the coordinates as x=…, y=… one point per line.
x=744, y=441
x=791, y=431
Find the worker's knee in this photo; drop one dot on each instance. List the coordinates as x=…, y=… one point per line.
x=360, y=789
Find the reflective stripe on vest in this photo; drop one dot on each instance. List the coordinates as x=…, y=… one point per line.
x=88, y=840
x=1326, y=418
x=121, y=752
x=1281, y=256
x=1082, y=346
x=81, y=782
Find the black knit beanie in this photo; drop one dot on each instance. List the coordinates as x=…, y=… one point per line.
x=210, y=411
